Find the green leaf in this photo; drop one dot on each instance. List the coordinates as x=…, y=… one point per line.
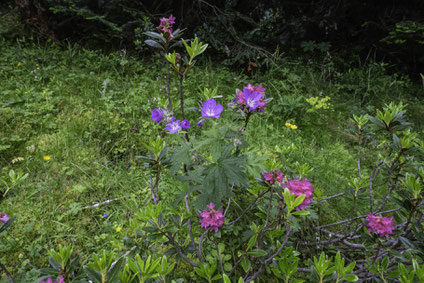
x=252, y=242
x=245, y=264
x=154, y=44
x=350, y=278
x=301, y=212
x=257, y=252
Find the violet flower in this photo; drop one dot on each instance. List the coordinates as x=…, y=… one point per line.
x=174, y=126
x=185, y=124
x=298, y=187
x=212, y=219
x=252, y=98
x=211, y=110
x=4, y=217
x=157, y=115
x=200, y=123
x=384, y=226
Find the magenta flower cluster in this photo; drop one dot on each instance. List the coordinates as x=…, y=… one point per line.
x=4, y=217
x=49, y=280
x=173, y=125
x=273, y=176
x=384, y=226
x=300, y=187
x=166, y=25
x=251, y=98
x=212, y=219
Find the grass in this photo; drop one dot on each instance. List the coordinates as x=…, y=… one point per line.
x=90, y=113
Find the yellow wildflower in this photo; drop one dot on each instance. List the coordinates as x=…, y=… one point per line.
x=293, y=127
x=19, y=64
x=46, y=157
x=44, y=92
x=118, y=229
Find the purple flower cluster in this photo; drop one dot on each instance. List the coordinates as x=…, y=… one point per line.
x=166, y=25
x=212, y=219
x=273, y=176
x=300, y=187
x=173, y=126
x=384, y=226
x=49, y=280
x=211, y=110
x=251, y=98
x=4, y=217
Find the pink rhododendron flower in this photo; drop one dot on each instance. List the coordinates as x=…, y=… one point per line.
x=384, y=226
x=212, y=218
x=273, y=176
x=166, y=25
x=298, y=187
x=4, y=217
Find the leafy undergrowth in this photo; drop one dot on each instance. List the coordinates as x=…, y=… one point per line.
x=75, y=119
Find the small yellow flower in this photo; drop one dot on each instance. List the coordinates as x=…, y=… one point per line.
x=19, y=64
x=118, y=229
x=46, y=157
x=44, y=92
x=288, y=124
x=293, y=127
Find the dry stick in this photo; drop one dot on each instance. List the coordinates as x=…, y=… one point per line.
x=359, y=156
x=167, y=85
x=96, y=204
x=236, y=265
x=171, y=239
x=333, y=196
x=181, y=96
x=257, y=273
x=250, y=206
x=228, y=205
x=219, y=256
x=190, y=231
x=152, y=190
x=390, y=185
x=372, y=178
x=357, y=217
x=7, y=273
x=201, y=243
x=261, y=236
x=124, y=255
x=157, y=184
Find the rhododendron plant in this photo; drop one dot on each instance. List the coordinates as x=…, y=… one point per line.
x=383, y=226
x=212, y=219
x=301, y=187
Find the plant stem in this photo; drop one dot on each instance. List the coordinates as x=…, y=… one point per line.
x=168, y=87
x=7, y=273
x=181, y=96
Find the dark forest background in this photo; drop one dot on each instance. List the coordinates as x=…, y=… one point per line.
x=240, y=32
